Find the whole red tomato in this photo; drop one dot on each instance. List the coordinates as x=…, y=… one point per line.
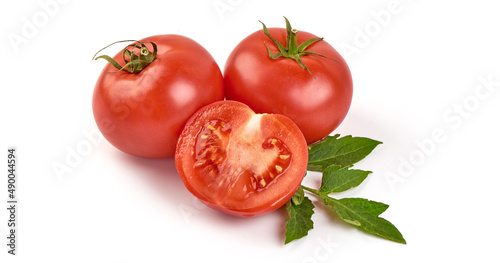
x=142, y=108
x=239, y=162
x=297, y=74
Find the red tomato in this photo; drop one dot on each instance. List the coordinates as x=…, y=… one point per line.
x=143, y=113
x=316, y=100
x=239, y=162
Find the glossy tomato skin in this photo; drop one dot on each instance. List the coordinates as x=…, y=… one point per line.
x=143, y=114
x=238, y=162
x=316, y=104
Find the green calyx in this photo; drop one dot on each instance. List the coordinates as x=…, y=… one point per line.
x=137, y=56
x=292, y=49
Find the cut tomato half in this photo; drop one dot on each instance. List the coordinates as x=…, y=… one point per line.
x=239, y=162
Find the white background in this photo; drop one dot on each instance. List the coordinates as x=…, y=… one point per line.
x=419, y=69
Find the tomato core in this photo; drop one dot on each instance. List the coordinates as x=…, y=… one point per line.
x=260, y=161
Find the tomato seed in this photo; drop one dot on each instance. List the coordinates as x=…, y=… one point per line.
x=262, y=182
x=200, y=162
x=284, y=156
x=252, y=183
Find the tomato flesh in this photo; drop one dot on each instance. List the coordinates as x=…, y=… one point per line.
x=239, y=162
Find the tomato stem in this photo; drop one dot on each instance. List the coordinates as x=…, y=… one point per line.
x=137, y=56
x=319, y=194
x=292, y=51
x=311, y=190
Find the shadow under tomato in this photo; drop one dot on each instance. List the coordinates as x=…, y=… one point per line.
x=162, y=178
x=161, y=175
x=270, y=227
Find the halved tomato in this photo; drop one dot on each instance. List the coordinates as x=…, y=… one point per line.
x=239, y=162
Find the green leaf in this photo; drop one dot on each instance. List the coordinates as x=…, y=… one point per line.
x=364, y=214
x=343, y=151
x=288, y=34
x=270, y=53
x=299, y=220
x=338, y=178
x=281, y=48
x=334, y=156
x=298, y=197
x=307, y=43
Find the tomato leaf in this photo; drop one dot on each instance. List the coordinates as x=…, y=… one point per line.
x=281, y=48
x=338, y=178
x=364, y=214
x=344, y=151
x=334, y=156
x=298, y=197
x=299, y=220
